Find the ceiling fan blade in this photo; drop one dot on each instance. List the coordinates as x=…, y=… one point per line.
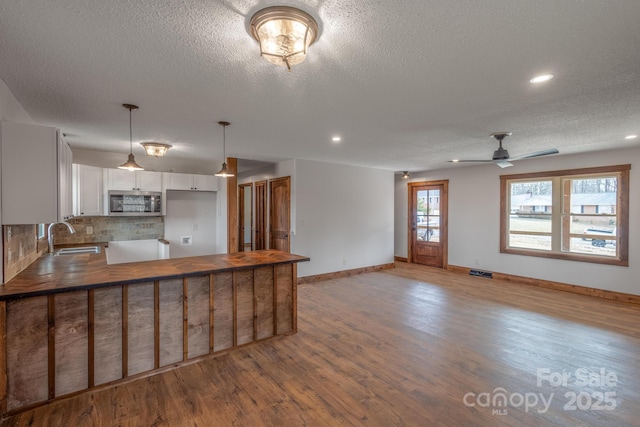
x=535, y=154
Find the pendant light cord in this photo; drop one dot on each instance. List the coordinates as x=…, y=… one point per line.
x=130, y=134
x=224, y=144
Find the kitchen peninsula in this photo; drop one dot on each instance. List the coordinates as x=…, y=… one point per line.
x=72, y=323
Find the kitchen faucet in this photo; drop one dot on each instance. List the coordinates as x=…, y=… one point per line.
x=50, y=233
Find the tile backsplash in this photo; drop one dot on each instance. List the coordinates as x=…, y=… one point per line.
x=90, y=229
x=21, y=246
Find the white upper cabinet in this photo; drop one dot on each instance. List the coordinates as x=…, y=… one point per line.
x=188, y=181
x=122, y=179
x=36, y=174
x=65, y=179
x=87, y=190
x=148, y=181
x=205, y=183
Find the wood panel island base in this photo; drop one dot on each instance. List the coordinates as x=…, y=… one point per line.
x=63, y=340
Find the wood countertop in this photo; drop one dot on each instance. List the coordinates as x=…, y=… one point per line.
x=55, y=274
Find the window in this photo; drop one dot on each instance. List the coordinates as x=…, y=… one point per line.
x=579, y=214
x=41, y=231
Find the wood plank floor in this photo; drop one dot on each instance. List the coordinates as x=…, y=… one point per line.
x=405, y=347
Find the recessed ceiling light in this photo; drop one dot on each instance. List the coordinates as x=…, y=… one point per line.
x=631, y=137
x=336, y=139
x=455, y=160
x=542, y=78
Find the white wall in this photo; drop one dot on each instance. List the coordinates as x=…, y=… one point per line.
x=10, y=108
x=474, y=221
x=341, y=216
x=344, y=217
x=191, y=213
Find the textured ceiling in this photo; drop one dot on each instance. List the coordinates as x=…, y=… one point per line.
x=408, y=85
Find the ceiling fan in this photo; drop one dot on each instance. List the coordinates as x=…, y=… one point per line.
x=501, y=156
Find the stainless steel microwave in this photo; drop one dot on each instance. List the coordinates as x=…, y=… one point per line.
x=135, y=203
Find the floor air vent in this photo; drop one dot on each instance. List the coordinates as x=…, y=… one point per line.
x=481, y=273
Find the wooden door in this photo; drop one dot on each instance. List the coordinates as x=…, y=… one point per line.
x=245, y=239
x=279, y=213
x=428, y=223
x=260, y=227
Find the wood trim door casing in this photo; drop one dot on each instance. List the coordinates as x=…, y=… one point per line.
x=241, y=217
x=444, y=214
x=232, y=206
x=260, y=215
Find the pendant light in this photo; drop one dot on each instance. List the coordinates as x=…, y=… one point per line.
x=224, y=172
x=130, y=164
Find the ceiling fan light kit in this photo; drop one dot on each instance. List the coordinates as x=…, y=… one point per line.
x=501, y=156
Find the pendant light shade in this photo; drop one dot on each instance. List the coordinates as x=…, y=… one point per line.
x=405, y=175
x=224, y=172
x=130, y=164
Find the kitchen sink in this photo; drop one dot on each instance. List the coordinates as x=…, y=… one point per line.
x=78, y=250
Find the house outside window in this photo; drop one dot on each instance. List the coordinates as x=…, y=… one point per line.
x=579, y=214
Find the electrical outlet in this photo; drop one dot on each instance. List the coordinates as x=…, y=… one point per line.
x=89, y=229
x=344, y=261
x=477, y=261
x=195, y=227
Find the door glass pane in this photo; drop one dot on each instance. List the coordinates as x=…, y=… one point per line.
x=428, y=216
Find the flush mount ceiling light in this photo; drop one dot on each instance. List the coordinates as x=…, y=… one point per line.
x=405, y=175
x=131, y=163
x=156, y=149
x=224, y=172
x=284, y=33
x=631, y=137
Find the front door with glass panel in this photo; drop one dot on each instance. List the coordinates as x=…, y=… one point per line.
x=427, y=223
